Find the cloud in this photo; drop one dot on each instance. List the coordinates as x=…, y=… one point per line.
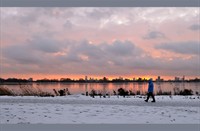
x=22, y=54
x=83, y=57
x=190, y=47
x=103, y=52
x=123, y=57
x=37, y=50
x=154, y=35
x=68, y=24
x=120, y=48
x=195, y=27
x=70, y=40
x=45, y=44
x=98, y=13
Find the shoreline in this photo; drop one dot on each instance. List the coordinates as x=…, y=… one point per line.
x=137, y=100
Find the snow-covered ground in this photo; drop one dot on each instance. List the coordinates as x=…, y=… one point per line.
x=80, y=109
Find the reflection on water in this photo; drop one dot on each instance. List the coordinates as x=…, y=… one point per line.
x=108, y=88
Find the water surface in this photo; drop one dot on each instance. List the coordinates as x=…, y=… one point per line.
x=79, y=88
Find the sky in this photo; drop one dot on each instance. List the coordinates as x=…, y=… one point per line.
x=97, y=42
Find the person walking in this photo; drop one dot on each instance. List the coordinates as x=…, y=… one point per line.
x=150, y=91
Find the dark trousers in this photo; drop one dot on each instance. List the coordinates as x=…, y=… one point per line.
x=150, y=94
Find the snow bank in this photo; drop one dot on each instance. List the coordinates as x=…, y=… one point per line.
x=80, y=109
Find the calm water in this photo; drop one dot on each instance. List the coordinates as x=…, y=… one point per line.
x=78, y=88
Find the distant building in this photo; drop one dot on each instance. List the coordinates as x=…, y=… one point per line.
x=121, y=78
x=159, y=79
x=176, y=79
x=183, y=79
x=30, y=79
x=86, y=79
x=92, y=79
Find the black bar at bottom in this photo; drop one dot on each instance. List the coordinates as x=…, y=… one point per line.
x=100, y=127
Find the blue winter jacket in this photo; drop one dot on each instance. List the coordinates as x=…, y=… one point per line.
x=150, y=88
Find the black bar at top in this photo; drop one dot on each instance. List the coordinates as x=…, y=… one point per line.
x=100, y=3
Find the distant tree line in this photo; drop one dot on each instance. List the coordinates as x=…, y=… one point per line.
x=13, y=80
x=81, y=80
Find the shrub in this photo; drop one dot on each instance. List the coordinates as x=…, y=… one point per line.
x=114, y=93
x=25, y=90
x=6, y=91
x=138, y=93
x=123, y=92
x=62, y=92
x=131, y=93
x=186, y=92
x=100, y=94
x=28, y=90
x=93, y=93
x=164, y=93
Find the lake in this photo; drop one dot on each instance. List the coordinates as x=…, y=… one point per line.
x=79, y=88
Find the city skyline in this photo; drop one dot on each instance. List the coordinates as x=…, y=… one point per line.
x=89, y=78
x=73, y=42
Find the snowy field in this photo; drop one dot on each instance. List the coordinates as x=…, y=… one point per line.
x=80, y=109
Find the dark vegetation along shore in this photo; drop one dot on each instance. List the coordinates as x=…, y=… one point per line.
x=28, y=90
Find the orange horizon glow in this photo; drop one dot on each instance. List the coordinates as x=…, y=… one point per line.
x=110, y=77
